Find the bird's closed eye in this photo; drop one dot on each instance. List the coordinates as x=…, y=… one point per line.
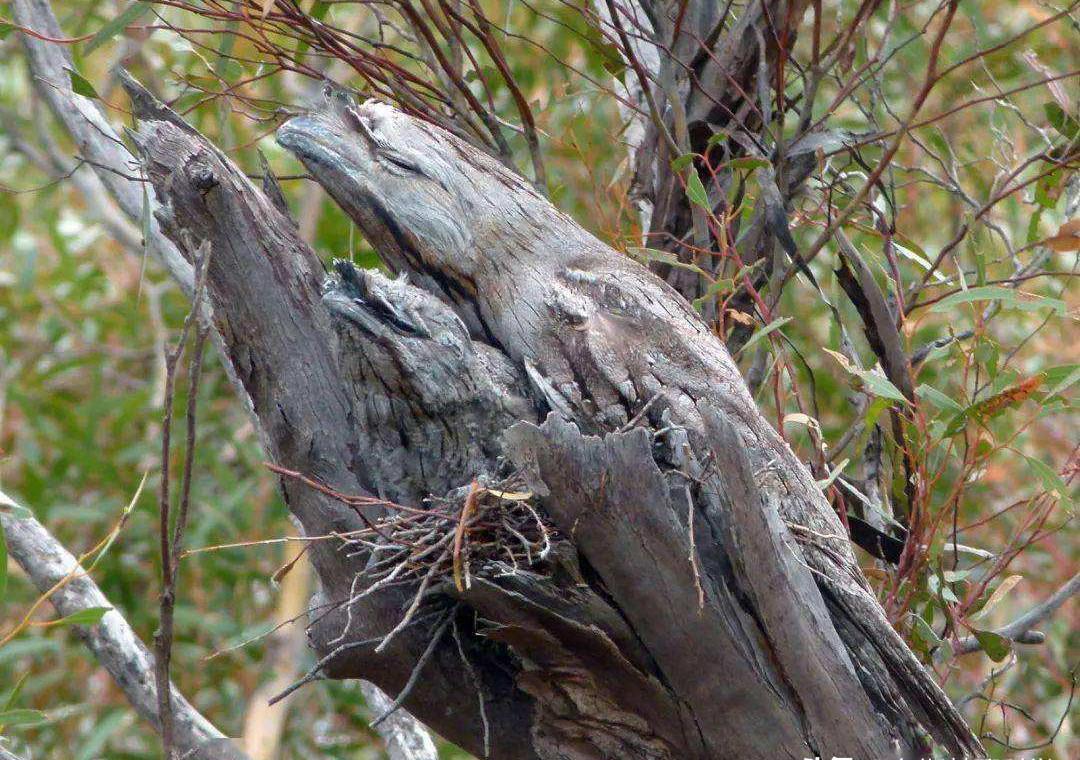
x=398, y=160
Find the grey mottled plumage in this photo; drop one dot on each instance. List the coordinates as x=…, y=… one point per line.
x=598, y=338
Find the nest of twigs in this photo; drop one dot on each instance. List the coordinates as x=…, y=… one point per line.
x=486, y=529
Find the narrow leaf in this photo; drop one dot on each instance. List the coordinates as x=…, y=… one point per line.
x=1073, y=374
x=1066, y=125
x=747, y=162
x=89, y=616
x=695, y=191
x=128, y=16
x=80, y=86
x=881, y=386
x=3, y=566
x=776, y=324
x=824, y=483
x=683, y=161
x=21, y=716
x=1051, y=481
x=1007, y=296
x=1000, y=592
x=937, y=398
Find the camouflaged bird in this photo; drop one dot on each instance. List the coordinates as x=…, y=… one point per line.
x=602, y=341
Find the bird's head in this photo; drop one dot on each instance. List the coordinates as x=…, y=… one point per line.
x=404, y=181
x=381, y=315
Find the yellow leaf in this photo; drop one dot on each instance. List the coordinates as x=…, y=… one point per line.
x=999, y=594
x=840, y=358
x=741, y=317
x=266, y=6
x=512, y=495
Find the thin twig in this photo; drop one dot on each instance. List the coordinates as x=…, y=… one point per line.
x=414, y=676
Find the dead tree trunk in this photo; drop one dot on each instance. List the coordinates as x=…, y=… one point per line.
x=620, y=557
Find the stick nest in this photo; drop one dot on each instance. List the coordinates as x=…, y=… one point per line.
x=482, y=529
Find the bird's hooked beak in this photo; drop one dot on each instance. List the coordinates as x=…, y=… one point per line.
x=341, y=159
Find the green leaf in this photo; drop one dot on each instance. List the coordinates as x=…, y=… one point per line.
x=80, y=86
x=1051, y=480
x=720, y=286
x=747, y=162
x=937, y=398
x=1064, y=377
x=9, y=217
x=610, y=58
x=955, y=576
x=645, y=255
x=827, y=481
x=881, y=386
x=996, y=646
x=872, y=382
x=683, y=161
x=1048, y=189
x=716, y=137
x=3, y=566
x=776, y=324
x=1033, y=226
x=1067, y=126
x=999, y=593
x=1007, y=296
x=15, y=691
x=695, y=191
x=22, y=716
x=6, y=28
x=89, y=616
x=987, y=354
x=925, y=633
x=126, y=17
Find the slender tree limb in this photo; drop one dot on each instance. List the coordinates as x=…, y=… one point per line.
x=99, y=142
x=404, y=736
x=1020, y=630
x=112, y=641
x=95, y=138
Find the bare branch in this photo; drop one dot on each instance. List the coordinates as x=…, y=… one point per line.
x=112, y=641
x=1021, y=629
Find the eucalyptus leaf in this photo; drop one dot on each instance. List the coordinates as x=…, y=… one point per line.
x=125, y=18
x=21, y=716
x=89, y=616
x=695, y=191
x=80, y=85
x=996, y=646
x=776, y=324
x=1007, y=296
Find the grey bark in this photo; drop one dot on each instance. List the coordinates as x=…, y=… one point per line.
x=702, y=601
